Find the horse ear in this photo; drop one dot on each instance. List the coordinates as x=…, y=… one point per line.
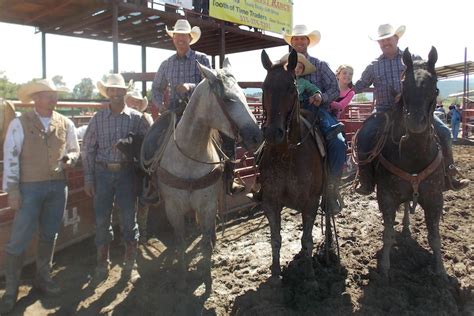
x=407, y=60
x=292, y=61
x=432, y=59
x=266, y=62
x=206, y=72
x=226, y=64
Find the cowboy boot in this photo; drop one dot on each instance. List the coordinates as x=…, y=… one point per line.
x=451, y=182
x=365, y=180
x=13, y=266
x=334, y=201
x=149, y=195
x=44, y=263
x=103, y=262
x=255, y=193
x=232, y=186
x=130, y=270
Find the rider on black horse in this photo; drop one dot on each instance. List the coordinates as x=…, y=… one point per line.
x=385, y=74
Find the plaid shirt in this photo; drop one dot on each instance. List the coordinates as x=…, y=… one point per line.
x=385, y=75
x=174, y=71
x=103, y=132
x=325, y=79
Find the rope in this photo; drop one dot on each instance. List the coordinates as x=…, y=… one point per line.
x=372, y=154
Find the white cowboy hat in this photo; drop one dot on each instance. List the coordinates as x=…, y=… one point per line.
x=183, y=27
x=135, y=94
x=308, y=66
x=302, y=30
x=28, y=89
x=386, y=31
x=113, y=81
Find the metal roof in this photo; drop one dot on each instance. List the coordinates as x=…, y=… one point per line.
x=137, y=24
x=455, y=70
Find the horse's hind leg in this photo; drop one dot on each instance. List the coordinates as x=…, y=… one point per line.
x=273, y=214
x=388, y=238
x=433, y=210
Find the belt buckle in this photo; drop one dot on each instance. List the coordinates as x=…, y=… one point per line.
x=114, y=167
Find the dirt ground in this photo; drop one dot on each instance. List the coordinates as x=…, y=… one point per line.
x=241, y=260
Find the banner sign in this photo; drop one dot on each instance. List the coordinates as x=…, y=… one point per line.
x=187, y=4
x=270, y=15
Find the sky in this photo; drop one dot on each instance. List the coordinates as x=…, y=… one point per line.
x=344, y=25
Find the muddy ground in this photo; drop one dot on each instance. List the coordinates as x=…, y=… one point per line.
x=241, y=283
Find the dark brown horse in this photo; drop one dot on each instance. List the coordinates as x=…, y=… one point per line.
x=410, y=167
x=291, y=168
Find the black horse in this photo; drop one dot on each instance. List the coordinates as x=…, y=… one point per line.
x=291, y=168
x=410, y=166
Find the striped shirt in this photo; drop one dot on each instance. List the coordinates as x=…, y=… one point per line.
x=325, y=79
x=174, y=71
x=103, y=132
x=385, y=75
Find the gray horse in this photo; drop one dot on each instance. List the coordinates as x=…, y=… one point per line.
x=190, y=172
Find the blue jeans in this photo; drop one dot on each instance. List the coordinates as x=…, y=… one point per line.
x=115, y=187
x=368, y=134
x=455, y=128
x=42, y=204
x=336, y=146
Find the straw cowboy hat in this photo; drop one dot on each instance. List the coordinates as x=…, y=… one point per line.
x=113, y=81
x=135, y=94
x=302, y=30
x=183, y=27
x=308, y=66
x=28, y=89
x=386, y=31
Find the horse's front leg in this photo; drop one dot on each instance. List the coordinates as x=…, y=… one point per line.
x=433, y=208
x=207, y=219
x=388, y=207
x=406, y=219
x=176, y=219
x=273, y=214
x=309, y=216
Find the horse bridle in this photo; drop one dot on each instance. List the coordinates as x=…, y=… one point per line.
x=234, y=127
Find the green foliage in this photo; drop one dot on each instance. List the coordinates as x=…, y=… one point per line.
x=84, y=90
x=8, y=90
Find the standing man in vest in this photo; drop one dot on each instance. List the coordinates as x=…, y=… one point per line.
x=39, y=146
x=109, y=174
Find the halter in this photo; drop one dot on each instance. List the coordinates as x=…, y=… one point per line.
x=234, y=128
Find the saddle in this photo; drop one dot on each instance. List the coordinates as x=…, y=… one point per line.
x=310, y=120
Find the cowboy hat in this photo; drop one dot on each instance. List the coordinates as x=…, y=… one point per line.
x=28, y=89
x=386, y=31
x=308, y=66
x=112, y=81
x=183, y=27
x=302, y=30
x=135, y=94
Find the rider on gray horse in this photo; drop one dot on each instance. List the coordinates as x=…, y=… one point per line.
x=181, y=74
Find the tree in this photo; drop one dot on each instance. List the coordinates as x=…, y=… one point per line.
x=59, y=81
x=8, y=90
x=84, y=90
